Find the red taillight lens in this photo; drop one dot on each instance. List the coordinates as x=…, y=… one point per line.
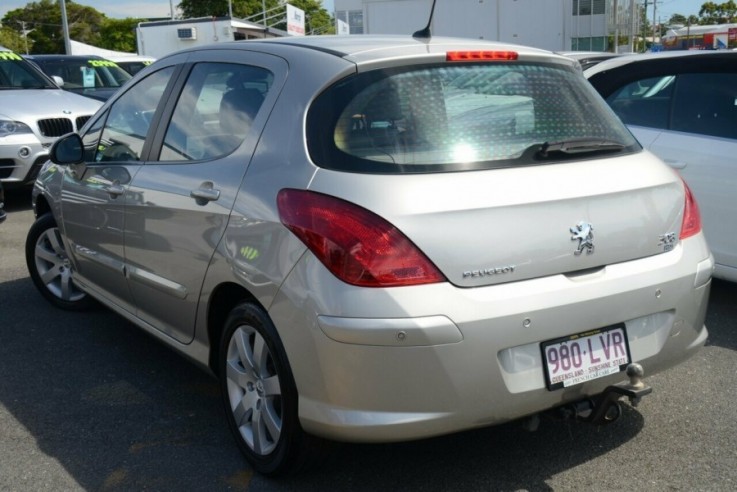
x=691, y=217
x=457, y=56
x=357, y=246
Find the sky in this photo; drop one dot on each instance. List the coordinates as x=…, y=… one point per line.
x=119, y=9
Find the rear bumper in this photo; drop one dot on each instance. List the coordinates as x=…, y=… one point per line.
x=382, y=365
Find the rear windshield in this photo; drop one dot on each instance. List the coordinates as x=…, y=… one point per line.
x=460, y=117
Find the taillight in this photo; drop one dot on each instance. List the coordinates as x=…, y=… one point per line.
x=691, y=217
x=457, y=56
x=357, y=246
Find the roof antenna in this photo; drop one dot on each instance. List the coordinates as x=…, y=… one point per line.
x=425, y=33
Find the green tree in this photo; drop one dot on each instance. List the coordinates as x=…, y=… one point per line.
x=676, y=19
x=13, y=40
x=43, y=18
x=718, y=13
x=119, y=34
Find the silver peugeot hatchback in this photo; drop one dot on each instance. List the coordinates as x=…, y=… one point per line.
x=374, y=239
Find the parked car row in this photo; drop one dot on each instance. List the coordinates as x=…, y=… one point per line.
x=34, y=112
x=375, y=239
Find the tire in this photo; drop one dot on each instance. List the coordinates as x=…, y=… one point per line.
x=260, y=396
x=49, y=266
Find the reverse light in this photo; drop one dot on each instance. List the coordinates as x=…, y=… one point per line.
x=459, y=56
x=356, y=245
x=691, y=217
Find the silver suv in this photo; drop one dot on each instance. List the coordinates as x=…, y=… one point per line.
x=34, y=111
x=376, y=239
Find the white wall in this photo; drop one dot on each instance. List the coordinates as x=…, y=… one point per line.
x=547, y=24
x=161, y=40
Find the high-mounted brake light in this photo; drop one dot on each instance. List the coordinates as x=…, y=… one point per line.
x=356, y=245
x=459, y=56
x=691, y=216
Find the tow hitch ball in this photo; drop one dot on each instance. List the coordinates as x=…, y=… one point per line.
x=606, y=408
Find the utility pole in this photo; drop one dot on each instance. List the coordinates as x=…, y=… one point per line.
x=65, y=25
x=25, y=33
x=655, y=9
x=633, y=24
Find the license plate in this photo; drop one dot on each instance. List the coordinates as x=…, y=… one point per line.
x=579, y=358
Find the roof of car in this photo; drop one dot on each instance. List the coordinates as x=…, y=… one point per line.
x=63, y=57
x=367, y=48
x=674, y=56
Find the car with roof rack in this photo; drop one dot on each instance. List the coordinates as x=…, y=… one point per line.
x=378, y=238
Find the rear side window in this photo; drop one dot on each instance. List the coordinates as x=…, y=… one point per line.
x=215, y=111
x=706, y=103
x=455, y=117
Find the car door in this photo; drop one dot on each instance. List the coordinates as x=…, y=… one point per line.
x=94, y=194
x=186, y=194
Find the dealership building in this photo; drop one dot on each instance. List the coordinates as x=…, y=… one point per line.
x=559, y=25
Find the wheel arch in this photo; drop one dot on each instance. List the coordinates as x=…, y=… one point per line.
x=41, y=206
x=224, y=298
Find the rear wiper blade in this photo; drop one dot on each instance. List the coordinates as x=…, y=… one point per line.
x=578, y=146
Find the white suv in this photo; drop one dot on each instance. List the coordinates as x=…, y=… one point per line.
x=33, y=113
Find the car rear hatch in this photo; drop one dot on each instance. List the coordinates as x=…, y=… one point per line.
x=497, y=171
x=511, y=224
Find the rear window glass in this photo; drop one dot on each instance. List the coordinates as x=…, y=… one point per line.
x=455, y=117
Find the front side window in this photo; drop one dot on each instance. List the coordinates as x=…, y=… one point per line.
x=456, y=117
x=129, y=119
x=215, y=111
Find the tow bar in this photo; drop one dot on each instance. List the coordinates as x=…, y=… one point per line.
x=606, y=407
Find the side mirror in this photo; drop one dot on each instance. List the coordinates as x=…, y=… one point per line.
x=59, y=81
x=67, y=150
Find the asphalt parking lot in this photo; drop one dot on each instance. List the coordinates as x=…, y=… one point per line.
x=88, y=402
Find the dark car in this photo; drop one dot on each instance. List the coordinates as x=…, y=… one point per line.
x=133, y=63
x=90, y=76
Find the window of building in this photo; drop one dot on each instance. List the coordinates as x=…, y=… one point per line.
x=589, y=7
x=598, y=43
x=354, y=19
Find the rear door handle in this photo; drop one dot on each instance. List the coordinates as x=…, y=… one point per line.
x=205, y=193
